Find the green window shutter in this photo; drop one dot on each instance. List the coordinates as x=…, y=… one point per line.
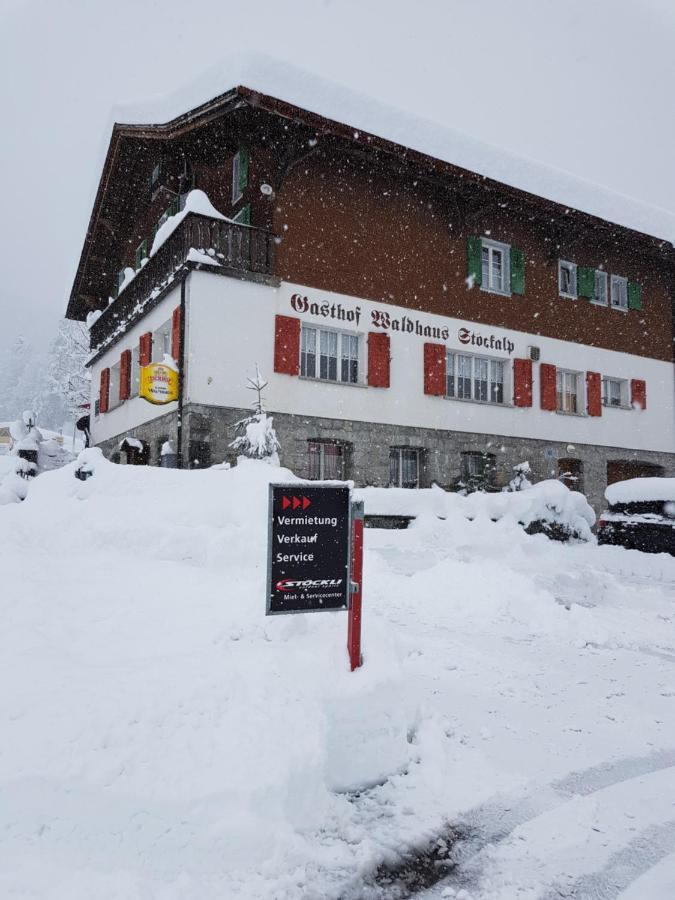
x=243, y=168
x=474, y=252
x=585, y=282
x=246, y=215
x=634, y=295
x=517, y=271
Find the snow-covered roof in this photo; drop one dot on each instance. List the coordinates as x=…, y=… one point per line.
x=435, y=138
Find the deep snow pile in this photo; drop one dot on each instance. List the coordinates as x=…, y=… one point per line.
x=547, y=501
x=163, y=739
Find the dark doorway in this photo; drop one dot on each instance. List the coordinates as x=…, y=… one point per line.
x=623, y=469
x=137, y=452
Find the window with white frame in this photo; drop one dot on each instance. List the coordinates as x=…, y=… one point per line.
x=329, y=355
x=496, y=267
x=615, y=392
x=477, y=378
x=568, y=398
x=567, y=278
x=404, y=467
x=161, y=342
x=135, y=376
x=326, y=460
x=600, y=295
x=114, y=389
x=619, y=292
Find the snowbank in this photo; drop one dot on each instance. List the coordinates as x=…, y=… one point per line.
x=635, y=490
x=547, y=501
x=173, y=698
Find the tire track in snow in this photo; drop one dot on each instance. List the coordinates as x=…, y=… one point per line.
x=491, y=823
x=628, y=864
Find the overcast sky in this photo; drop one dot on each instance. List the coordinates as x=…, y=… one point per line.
x=582, y=85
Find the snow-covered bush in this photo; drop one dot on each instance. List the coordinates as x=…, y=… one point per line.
x=548, y=507
x=520, y=480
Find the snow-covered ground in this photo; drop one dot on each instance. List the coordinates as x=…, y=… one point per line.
x=162, y=739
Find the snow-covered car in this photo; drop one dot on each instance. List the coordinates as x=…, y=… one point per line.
x=641, y=515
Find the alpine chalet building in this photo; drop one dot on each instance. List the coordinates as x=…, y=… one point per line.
x=417, y=322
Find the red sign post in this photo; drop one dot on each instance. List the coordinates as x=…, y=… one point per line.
x=354, y=614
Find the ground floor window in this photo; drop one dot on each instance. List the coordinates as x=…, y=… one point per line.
x=478, y=470
x=404, y=467
x=571, y=473
x=114, y=388
x=567, y=391
x=329, y=355
x=326, y=460
x=475, y=378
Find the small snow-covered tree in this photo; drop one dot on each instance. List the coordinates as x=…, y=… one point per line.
x=256, y=437
x=521, y=477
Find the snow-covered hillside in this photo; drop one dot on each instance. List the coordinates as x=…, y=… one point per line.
x=163, y=739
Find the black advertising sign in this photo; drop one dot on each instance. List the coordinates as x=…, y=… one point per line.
x=308, y=551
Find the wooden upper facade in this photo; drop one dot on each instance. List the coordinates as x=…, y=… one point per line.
x=320, y=205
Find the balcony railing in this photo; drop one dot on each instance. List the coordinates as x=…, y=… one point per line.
x=237, y=249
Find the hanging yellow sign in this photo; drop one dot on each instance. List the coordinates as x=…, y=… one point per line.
x=159, y=383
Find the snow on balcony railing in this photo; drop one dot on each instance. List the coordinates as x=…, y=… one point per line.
x=195, y=240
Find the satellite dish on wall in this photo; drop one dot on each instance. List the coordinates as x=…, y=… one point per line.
x=266, y=189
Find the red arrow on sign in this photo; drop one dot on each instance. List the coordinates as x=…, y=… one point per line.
x=305, y=502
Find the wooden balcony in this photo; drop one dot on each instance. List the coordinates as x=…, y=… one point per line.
x=239, y=251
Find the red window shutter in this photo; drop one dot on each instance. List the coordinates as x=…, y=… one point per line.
x=287, y=345
x=522, y=382
x=175, y=334
x=547, y=384
x=145, y=349
x=125, y=375
x=378, y=359
x=104, y=392
x=594, y=393
x=435, y=370
x=638, y=393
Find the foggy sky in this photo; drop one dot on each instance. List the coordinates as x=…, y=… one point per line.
x=581, y=85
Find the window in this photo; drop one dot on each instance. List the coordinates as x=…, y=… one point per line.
x=135, y=376
x=619, y=292
x=478, y=470
x=614, y=392
x=326, y=460
x=329, y=355
x=571, y=473
x=161, y=342
x=404, y=466
x=567, y=278
x=141, y=252
x=239, y=174
x=567, y=391
x=475, y=378
x=600, y=295
x=114, y=389
x=495, y=267
x=97, y=410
